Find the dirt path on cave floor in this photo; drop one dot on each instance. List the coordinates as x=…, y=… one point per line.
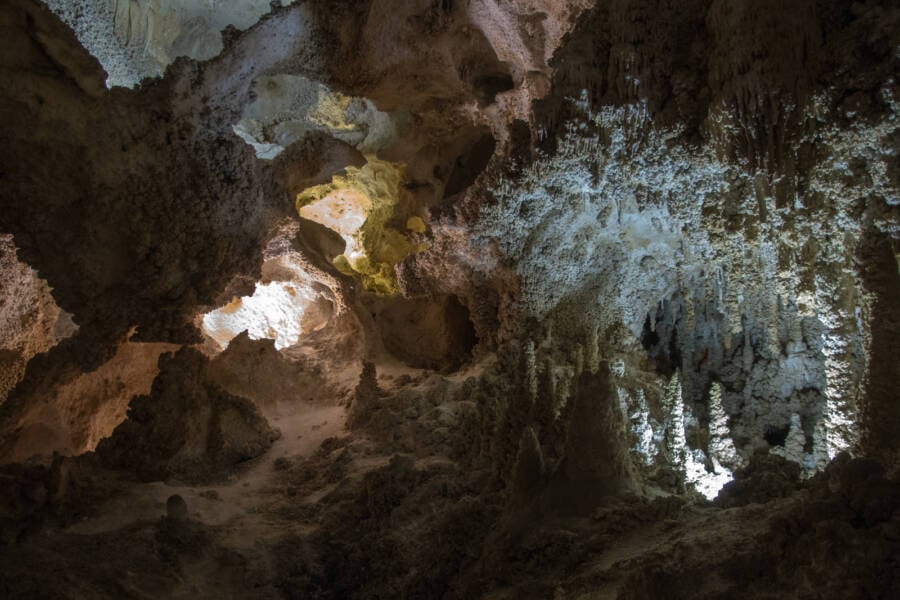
x=245, y=514
x=243, y=510
x=240, y=507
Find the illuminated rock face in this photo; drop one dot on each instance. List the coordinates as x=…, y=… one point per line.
x=638, y=235
x=137, y=39
x=286, y=108
x=30, y=320
x=293, y=299
x=187, y=428
x=274, y=311
x=358, y=206
x=88, y=408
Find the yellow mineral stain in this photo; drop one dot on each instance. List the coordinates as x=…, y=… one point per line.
x=331, y=111
x=357, y=204
x=415, y=224
x=232, y=306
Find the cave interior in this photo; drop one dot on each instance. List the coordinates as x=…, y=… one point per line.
x=375, y=299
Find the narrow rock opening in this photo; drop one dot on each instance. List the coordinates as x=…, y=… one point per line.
x=279, y=310
x=776, y=436
x=468, y=166
x=293, y=300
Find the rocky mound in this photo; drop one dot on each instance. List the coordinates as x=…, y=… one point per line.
x=188, y=428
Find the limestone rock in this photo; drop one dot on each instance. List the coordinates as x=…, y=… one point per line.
x=594, y=449
x=188, y=428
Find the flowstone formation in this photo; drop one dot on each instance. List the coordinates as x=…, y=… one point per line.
x=449, y=299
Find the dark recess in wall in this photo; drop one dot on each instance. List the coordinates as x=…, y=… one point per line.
x=470, y=165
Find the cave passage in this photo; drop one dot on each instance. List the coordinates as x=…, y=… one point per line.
x=488, y=300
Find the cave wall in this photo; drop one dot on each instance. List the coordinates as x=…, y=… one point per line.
x=682, y=204
x=30, y=320
x=701, y=186
x=656, y=250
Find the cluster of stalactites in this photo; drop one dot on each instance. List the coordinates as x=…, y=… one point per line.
x=749, y=291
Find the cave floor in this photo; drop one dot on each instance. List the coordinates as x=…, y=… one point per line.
x=331, y=503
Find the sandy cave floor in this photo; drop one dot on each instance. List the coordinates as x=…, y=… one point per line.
x=239, y=506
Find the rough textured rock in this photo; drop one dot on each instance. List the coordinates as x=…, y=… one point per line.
x=433, y=334
x=535, y=281
x=187, y=428
x=134, y=40
x=256, y=370
x=87, y=408
x=30, y=321
x=129, y=241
